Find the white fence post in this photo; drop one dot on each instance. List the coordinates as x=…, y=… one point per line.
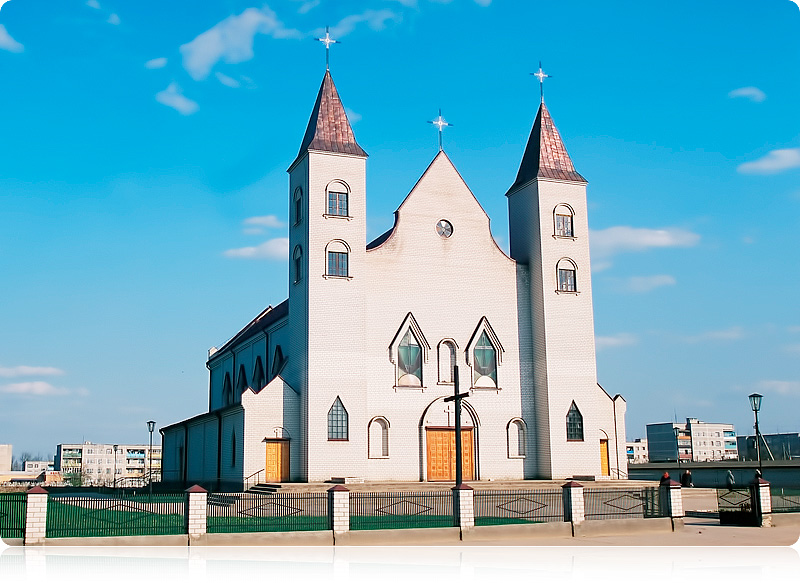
x=574, y=508
x=339, y=509
x=464, y=506
x=763, y=502
x=196, y=512
x=35, y=516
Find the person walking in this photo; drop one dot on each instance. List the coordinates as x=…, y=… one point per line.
x=729, y=480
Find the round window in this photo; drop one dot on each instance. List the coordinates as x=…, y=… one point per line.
x=444, y=229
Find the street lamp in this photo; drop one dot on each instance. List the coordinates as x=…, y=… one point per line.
x=151, y=425
x=114, y=480
x=755, y=405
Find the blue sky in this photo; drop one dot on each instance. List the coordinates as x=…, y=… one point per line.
x=143, y=149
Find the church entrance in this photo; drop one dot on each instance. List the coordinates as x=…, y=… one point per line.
x=604, y=467
x=441, y=442
x=277, y=464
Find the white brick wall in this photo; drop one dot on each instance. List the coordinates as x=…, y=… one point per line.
x=35, y=519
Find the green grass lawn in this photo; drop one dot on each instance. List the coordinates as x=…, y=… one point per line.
x=12, y=515
x=494, y=520
x=400, y=521
x=123, y=519
x=265, y=523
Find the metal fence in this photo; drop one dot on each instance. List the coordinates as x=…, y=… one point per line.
x=12, y=515
x=518, y=506
x=610, y=503
x=115, y=515
x=736, y=506
x=785, y=499
x=377, y=510
x=256, y=512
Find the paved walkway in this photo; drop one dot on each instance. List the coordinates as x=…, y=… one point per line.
x=477, y=485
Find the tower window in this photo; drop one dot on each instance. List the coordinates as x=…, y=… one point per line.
x=297, y=259
x=566, y=276
x=337, y=264
x=337, y=422
x=574, y=424
x=298, y=206
x=337, y=203
x=563, y=221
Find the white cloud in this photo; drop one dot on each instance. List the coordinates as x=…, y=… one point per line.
x=113, y=19
x=622, y=339
x=375, y=19
x=751, y=93
x=231, y=40
x=483, y=2
x=156, y=63
x=642, y=284
x=794, y=328
x=609, y=242
x=272, y=249
x=29, y=371
x=229, y=81
x=308, y=6
x=780, y=387
x=773, y=163
x=792, y=348
x=732, y=333
x=93, y=4
x=7, y=43
x=352, y=116
x=174, y=98
x=39, y=388
x=269, y=221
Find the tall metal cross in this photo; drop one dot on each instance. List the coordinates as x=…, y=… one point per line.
x=456, y=398
x=541, y=76
x=328, y=41
x=440, y=123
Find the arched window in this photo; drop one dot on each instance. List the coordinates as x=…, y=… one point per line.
x=447, y=361
x=566, y=273
x=562, y=219
x=338, y=254
x=297, y=260
x=227, y=391
x=485, y=357
x=574, y=424
x=298, y=205
x=516, y=438
x=409, y=361
x=337, y=199
x=278, y=361
x=258, y=375
x=337, y=422
x=378, y=432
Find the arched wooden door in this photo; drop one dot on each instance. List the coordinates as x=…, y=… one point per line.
x=441, y=452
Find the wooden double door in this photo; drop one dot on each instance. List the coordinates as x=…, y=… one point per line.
x=441, y=450
x=277, y=463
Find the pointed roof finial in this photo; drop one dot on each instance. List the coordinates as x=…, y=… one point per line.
x=542, y=76
x=328, y=41
x=440, y=123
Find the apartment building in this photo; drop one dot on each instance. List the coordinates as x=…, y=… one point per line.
x=105, y=464
x=696, y=441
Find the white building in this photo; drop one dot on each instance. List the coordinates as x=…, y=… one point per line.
x=637, y=451
x=5, y=457
x=346, y=378
x=38, y=466
x=104, y=463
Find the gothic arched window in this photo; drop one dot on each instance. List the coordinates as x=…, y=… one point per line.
x=409, y=361
x=485, y=357
x=227, y=391
x=258, y=375
x=337, y=422
x=574, y=424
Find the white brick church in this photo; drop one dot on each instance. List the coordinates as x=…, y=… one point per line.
x=346, y=378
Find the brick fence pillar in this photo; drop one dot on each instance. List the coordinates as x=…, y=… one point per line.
x=574, y=509
x=464, y=506
x=762, y=498
x=36, y=516
x=671, y=500
x=339, y=509
x=196, y=511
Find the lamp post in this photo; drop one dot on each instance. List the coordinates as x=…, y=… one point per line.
x=677, y=452
x=151, y=425
x=755, y=405
x=114, y=479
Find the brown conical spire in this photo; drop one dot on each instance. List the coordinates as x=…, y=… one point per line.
x=545, y=155
x=328, y=129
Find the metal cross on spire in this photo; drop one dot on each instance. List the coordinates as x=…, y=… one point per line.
x=440, y=123
x=328, y=42
x=541, y=76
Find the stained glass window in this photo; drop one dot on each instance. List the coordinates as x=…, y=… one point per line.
x=485, y=363
x=409, y=361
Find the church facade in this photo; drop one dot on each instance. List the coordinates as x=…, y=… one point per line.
x=347, y=377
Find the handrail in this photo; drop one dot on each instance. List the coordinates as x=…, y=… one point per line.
x=620, y=474
x=248, y=479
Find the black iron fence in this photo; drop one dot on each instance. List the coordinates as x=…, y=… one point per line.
x=115, y=515
x=518, y=506
x=378, y=510
x=785, y=499
x=737, y=506
x=256, y=512
x=610, y=503
x=12, y=514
